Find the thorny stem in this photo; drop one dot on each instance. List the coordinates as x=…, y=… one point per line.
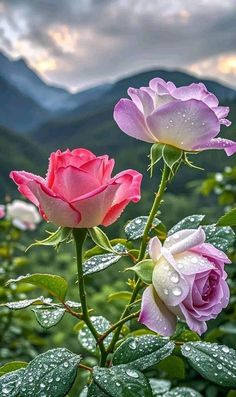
x=120, y=322
x=143, y=246
x=79, y=237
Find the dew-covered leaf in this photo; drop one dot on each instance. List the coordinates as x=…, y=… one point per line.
x=101, y=262
x=55, y=285
x=95, y=391
x=50, y=374
x=135, y=228
x=122, y=381
x=221, y=237
x=100, y=239
x=10, y=383
x=159, y=387
x=144, y=270
x=12, y=366
x=143, y=352
x=86, y=338
x=22, y=304
x=72, y=304
x=214, y=362
x=182, y=392
x=190, y=222
x=55, y=239
x=47, y=318
x=228, y=219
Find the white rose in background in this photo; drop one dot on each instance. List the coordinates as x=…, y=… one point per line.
x=24, y=216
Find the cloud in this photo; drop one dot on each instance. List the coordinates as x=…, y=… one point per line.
x=81, y=43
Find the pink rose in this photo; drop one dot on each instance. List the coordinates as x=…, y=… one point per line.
x=2, y=211
x=187, y=117
x=188, y=282
x=78, y=190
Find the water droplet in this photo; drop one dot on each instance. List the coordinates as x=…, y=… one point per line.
x=174, y=277
x=177, y=291
x=225, y=349
x=133, y=345
x=132, y=373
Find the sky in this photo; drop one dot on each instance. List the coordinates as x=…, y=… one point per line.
x=82, y=43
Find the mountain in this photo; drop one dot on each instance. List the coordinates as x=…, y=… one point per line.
x=18, y=111
x=18, y=153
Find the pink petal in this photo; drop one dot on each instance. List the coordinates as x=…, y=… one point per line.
x=71, y=183
x=57, y=211
x=75, y=158
x=219, y=143
x=192, y=91
x=211, y=252
x=155, y=315
x=22, y=178
x=132, y=121
x=197, y=326
x=142, y=100
x=100, y=167
x=155, y=249
x=161, y=87
x=184, y=240
x=221, y=111
x=93, y=208
x=184, y=124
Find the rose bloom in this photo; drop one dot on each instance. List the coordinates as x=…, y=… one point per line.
x=188, y=282
x=187, y=117
x=2, y=211
x=23, y=215
x=78, y=191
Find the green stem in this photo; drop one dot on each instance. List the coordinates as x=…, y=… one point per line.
x=79, y=237
x=143, y=246
x=120, y=322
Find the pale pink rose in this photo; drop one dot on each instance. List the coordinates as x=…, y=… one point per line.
x=188, y=117
x=188, y=282
x=23, y=215
x=78, y=190
x=2, y=211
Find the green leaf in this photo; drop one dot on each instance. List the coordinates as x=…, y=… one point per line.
x=86, y=338
x=100, y=262
x=121, y=381
x=214, y=362
x=144, y=270
x=189, y=336
x=47, y=318
x=143, y=352
x=155, y=155
x=22, y=304
x=95, y=391
x=135, y=228
x=12, y=366
x=121, y=295
x=171, y=156
x=55, y=239
x=228, y=219
x=159, y=387
x=84, y=392
x=100, y=239
x=190, y=222
x=55, y=285
x=10, y=383
x=221, y=237
x=50, y=374
x=182, y=392
x=173, y=366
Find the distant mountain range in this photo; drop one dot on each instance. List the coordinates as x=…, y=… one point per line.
x=27, y=102
x=47, y=118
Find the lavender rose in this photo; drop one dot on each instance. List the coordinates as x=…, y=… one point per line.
x=187, y=117
x=188, y=282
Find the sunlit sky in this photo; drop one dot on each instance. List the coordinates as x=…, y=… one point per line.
x=81, y=43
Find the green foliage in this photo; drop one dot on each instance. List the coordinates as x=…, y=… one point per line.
x=86, y=338
x=221, y=237
x=190, y=222
x=143, y=352
x=10, y=383
x=55, y=285
x=55, y=239
x=100, y=239
x=135, y=228
x=228, y=219
x=144, y=270
x=214, y=362
x=48, y=318
x=98, y=263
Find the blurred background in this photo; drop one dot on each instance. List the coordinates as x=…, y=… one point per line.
x=63, y=66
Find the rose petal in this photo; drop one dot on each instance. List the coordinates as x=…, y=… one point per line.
x=184, y=240
x=155, y=315
x=142, y=100
x=197, y=326
x=155, y=249
x=218, y=143
x=57, y=211
x=132, y=121
x=21, y=178
x=185, y=125
x=169, y=284
x=211, y=252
